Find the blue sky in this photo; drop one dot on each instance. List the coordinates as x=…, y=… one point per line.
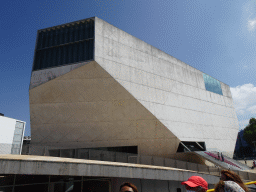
x=217, y=37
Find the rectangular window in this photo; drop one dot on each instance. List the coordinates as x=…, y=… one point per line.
x=17, y=138
x=19, y=124
x=212, y=84
x=68, y=37
x=18, y=131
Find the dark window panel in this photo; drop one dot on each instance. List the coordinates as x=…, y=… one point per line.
x=74, y=33
x=53, y=37
x=59, y=56
x=57, y=36
x=57, y=60
x=30, y=179
x=44, y=61
x=45, y=42
x=71, y=34
x=77, y=51
x=70, y=55
x=51, y=60
x=81, y=31
x=41, y=60
x=48, y=58
x=50, y=38
x=65, y=54
x=38, y=60
x=66, y=35
x=86, y=30
x=85, y=50
x=91, y=48
x=6, y=180
x=42, y=39
x=88, y=49
x=74, y=53
x=80, y=51
x=54, y=56
x=36, y=63
x=61, y=35
x=76, y=38
x=92, y=29
x=38, y=188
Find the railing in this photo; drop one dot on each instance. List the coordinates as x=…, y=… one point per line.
x=225, y=160
x=101, y=155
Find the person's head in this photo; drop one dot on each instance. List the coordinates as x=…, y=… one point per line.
x=196, y=183
x=128, y=187
x=227, y=175
x=228, y=186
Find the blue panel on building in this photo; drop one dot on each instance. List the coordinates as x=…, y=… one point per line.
x=212, y=84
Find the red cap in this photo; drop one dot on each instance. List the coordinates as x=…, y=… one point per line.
x=196, y=181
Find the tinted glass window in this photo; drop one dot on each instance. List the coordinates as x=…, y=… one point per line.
x=17, y=138
x=19, y=124
x=65, y=45
x=212, y=84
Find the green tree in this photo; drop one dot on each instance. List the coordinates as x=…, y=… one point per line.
x=250, y=132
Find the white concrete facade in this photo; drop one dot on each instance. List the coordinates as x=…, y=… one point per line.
x=8, y=129
x=131, y=94
x=171, y=90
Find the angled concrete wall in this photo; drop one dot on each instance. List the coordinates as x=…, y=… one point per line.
x=171, y=90
x=40, y=77
x=87, y=108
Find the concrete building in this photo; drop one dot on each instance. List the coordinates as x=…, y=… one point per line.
x=94, y=85
x=100, y=94
x=11, y=137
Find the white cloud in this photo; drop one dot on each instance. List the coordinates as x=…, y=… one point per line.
x=252, y=24
x=252, y=109
x=244, y=97
x=240, y=112
x=250, y=15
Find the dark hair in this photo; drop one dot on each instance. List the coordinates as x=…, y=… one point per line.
x=231, y=176
x=134, y=188
x=219, y=186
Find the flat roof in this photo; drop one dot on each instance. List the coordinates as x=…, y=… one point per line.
x=12, y=118
x=67, y=24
